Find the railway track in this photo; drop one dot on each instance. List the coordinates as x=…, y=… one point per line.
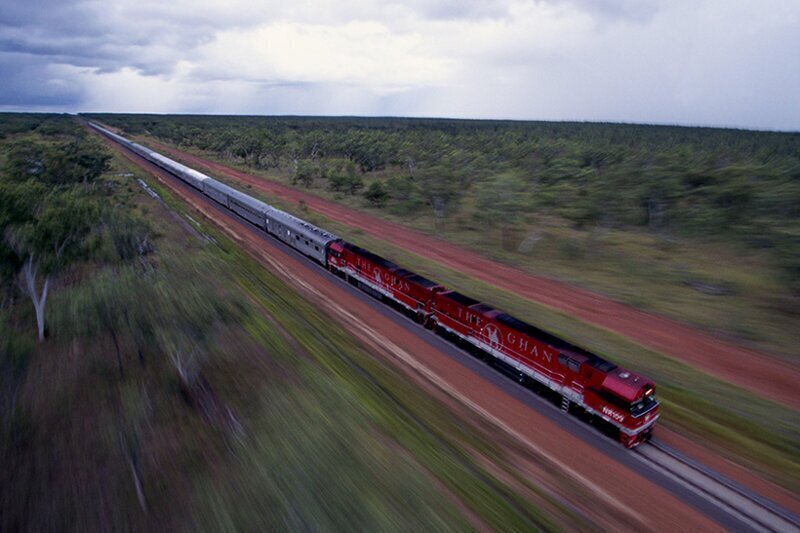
x=743, y=504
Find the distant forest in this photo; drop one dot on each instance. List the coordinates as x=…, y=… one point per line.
x=693, y=182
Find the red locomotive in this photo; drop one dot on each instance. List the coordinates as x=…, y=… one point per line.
x=380, y=277
x=624, y=400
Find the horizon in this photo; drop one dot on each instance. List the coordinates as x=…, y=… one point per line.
x=419, y=117
x=710, y=63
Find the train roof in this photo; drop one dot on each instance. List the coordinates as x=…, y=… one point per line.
x=301, y=226
x=523, y=327
x=601, y=364
x=460, y=298
x=416, y=278
x=227, y=189
x=375, y=258
x=482, y=308
x=178, y=167
x=256, y=204
x=141, y=148
x=625, y=384
x=196, y=174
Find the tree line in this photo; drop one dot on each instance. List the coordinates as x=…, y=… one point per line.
x=695, y=182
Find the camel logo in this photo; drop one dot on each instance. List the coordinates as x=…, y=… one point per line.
x=492, y=335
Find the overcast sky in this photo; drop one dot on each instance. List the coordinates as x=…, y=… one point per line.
x=697, y=62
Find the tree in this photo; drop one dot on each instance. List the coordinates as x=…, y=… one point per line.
x=354, y=184
x=502, y=203
x=337, y=181
x=45, y=237
x=376, y=194
x=304, y=173
x=76, y=162
x=441, y=187
x=130, y=237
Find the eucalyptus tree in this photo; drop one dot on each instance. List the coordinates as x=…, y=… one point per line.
x=47, y=213
x=45, y=237
x=376, y=194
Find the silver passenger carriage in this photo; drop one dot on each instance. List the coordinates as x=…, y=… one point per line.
x=301, y=235
x=243, y=205
x=307, y=238
x=189, y=175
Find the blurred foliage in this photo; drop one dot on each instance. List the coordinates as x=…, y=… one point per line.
x=49, y=205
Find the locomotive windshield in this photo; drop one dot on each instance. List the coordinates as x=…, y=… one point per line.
x=645, y=403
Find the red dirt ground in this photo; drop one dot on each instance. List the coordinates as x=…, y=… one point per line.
x=635, y=502
x=747, y=368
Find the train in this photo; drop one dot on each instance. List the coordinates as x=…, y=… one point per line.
x=621, y=401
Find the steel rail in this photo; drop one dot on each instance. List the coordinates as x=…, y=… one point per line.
x=744, y=504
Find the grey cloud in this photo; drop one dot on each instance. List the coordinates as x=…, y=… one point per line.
x=459, y=9
x=31, y=84
x=639, y=11
x=85, y=35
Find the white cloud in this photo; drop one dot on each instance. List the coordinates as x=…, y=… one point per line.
x=358, y=53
